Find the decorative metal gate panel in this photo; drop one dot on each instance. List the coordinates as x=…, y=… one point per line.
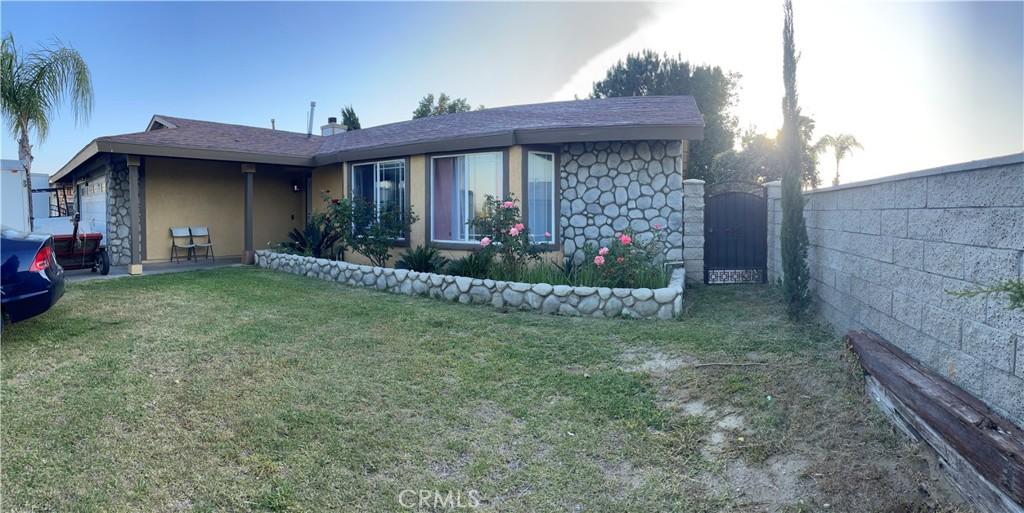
x=735, y=238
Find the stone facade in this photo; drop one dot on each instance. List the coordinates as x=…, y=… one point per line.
x=885, y=254
x=607, y=187
x=663, y=303
x=118, y=220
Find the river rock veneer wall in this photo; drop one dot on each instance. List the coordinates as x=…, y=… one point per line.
x=663, y=303
x=610, y=186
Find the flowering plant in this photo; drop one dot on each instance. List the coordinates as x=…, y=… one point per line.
x=626, y=259
x=503, y=233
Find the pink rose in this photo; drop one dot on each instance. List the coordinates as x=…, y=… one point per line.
x=625, y=239
x=508, y=204
x=520, y=226
x=513, y=231
x=599, y=260
x=486, y=241
x=602, y=251
x=657, y=226
x=620, y=260
x=547, y=235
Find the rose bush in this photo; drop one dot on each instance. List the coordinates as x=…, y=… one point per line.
x=503, y=234
x=626, y=260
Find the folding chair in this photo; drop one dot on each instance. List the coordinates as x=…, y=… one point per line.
x=181, y=239
x=199, y=233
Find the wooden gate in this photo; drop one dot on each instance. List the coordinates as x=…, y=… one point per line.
x=735, y=237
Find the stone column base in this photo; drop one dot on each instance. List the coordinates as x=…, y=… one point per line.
x=249, y=257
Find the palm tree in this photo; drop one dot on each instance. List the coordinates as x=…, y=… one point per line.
x=842, y=146
x=34, y=85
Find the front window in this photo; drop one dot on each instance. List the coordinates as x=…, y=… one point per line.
x=460, y=185
x=382, y=184
x=540, y=194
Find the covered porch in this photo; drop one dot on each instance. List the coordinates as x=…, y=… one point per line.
x=245, y=205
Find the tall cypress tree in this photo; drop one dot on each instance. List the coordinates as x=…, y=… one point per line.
x=794, y=230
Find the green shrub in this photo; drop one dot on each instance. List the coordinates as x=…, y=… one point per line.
x=318, y=239
x=474, y=265
x=422, y=259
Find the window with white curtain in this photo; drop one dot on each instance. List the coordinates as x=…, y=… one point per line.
x=540, y=196
x=459, y=186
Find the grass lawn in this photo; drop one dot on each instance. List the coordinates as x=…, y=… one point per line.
x=243, y=389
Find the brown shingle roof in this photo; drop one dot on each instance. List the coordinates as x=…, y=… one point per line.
x=209, y=135
x=631, y=111
x=639, y=117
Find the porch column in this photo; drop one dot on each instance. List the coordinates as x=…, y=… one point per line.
x=309, y=197
x=134, y=217
x=248, y=170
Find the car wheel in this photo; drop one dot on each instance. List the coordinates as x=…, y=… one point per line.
x=104, y=263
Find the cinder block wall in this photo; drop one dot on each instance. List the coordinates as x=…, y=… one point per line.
x=885, y=254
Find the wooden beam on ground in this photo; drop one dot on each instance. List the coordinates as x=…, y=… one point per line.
x=983, y=452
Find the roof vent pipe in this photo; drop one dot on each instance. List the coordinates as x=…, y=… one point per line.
x=309, y=127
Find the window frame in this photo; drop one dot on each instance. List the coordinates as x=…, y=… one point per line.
x=406, y=196
x=556, y=235
x=502, y=182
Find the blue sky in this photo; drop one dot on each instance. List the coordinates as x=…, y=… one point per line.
x=920, y=84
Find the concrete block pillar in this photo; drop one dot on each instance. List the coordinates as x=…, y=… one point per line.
x=773, y=190
x=693, y=229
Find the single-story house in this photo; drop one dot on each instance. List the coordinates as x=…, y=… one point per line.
x=583, y=170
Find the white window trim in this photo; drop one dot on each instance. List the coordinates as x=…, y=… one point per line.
x=376, y=181
x=433, y=204
x=554, y=191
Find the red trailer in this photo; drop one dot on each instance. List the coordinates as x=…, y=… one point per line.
x=81, y=251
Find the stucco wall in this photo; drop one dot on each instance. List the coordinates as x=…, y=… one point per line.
x=885, y=255
x=181, y=192
x=334, y=178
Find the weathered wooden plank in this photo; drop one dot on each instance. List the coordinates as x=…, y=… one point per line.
x=988, y=443
x=973, y=487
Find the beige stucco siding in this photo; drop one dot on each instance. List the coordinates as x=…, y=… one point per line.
x=277, y=209
x=327, y=180
x=180, y=192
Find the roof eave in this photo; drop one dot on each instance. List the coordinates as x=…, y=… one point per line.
x=160, y=150
x=522, y=136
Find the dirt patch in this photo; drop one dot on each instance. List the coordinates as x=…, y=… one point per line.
x=780, y=482
x=489, y=412
x=654, y=362
x=624, y=475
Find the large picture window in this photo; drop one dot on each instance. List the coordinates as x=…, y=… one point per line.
x=460, y=185
x=381, y=183
x=540, y=195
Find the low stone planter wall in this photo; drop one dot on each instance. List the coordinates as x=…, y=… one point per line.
x=663, y=303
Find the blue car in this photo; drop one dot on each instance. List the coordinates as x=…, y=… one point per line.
x=31, y=281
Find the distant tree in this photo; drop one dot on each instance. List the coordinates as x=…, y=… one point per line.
x=794, y=230
x=649, y=74
x=444, y=105
x=842, y=145
x=759, y=159
x=33, y=86
x=349, y=118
